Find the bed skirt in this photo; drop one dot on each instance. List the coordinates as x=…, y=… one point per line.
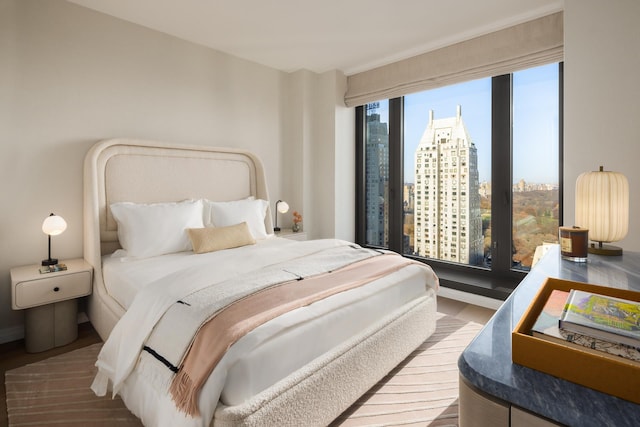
x=319, y=392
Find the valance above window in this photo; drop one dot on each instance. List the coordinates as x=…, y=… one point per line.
x=532, y=43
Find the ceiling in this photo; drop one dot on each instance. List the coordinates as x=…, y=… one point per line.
x=321, y=35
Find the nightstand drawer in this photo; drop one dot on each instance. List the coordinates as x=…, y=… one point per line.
x=52, y=289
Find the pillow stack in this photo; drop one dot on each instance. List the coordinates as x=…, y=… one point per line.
x=147, y=230
x=250, y=210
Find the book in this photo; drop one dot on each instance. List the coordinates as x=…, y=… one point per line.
x=551, y=311
x=603, y=317
x=52, y=268
x=547, y=327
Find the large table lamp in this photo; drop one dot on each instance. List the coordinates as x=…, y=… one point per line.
x=52, y=226
x=602, y=207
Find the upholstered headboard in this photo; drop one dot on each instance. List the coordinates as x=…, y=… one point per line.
x=118, y=170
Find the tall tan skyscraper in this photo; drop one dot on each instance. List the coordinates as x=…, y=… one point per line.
x=447, y=221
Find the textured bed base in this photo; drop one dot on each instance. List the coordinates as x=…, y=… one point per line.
x=318, y=393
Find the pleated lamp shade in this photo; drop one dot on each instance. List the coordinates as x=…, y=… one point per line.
x=602, y=207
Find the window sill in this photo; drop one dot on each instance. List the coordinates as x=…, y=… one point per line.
x=476, y=282
x=471, y=280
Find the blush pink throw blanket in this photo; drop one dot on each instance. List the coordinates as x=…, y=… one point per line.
x=242, y=316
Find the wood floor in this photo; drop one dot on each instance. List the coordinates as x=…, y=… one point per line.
x=14, y=355
x=464, y=311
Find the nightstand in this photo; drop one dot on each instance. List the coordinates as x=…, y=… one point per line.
x=287, y=233
x=50, y=302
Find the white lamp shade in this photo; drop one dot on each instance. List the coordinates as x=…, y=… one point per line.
x=602, y=205
x=283, y=207
x=54, y=225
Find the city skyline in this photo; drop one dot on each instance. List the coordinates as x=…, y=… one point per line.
x=535, y=130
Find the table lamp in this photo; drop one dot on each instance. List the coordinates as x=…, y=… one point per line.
x=52, y=226
x=602, y=206
x=282, y=207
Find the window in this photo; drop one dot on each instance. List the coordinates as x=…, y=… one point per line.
x=465, y=177
x=536, y=201
x=434, y=123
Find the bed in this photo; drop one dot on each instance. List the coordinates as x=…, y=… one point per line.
x=301, y=366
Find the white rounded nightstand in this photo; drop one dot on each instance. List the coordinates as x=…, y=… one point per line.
x=50, y=302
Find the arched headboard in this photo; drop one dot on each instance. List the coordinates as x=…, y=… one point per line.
x=140, y=171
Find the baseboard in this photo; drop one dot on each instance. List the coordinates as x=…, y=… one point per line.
x=13, y=333
x=469, y=298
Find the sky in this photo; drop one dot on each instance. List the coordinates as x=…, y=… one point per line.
x=535, y=118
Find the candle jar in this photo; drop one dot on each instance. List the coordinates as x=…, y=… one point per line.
x=574, y=242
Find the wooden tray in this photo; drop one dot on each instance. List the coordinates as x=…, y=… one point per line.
x=619, y=378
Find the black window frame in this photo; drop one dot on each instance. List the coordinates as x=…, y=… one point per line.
x=501, y=279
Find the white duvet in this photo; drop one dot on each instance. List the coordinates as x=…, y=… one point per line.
x=150, y=287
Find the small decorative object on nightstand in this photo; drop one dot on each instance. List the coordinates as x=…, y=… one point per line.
x=297, y=222
x=50, y=301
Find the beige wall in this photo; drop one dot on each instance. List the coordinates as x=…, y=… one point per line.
x=319, y=155
x=345, y=161
x=602, y=98
x=70, y=77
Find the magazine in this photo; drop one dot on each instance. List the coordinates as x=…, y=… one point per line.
x=601, y=316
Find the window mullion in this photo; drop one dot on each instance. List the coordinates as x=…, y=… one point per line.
x=396, y=174
x=501, y=173
x=361, y=223
x=561, y=141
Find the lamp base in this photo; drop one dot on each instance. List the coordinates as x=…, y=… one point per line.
x=606, y=250
x=50, y=261
x=276, y=229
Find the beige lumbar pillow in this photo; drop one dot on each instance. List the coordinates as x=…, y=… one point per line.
x=211, y=239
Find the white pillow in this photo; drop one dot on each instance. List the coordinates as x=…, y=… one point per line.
x=250, y=210
x=147, y=230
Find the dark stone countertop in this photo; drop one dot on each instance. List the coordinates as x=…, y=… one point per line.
x=486, y=362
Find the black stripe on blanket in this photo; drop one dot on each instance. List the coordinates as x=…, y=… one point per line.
x=164, y=361
x=298, y=277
